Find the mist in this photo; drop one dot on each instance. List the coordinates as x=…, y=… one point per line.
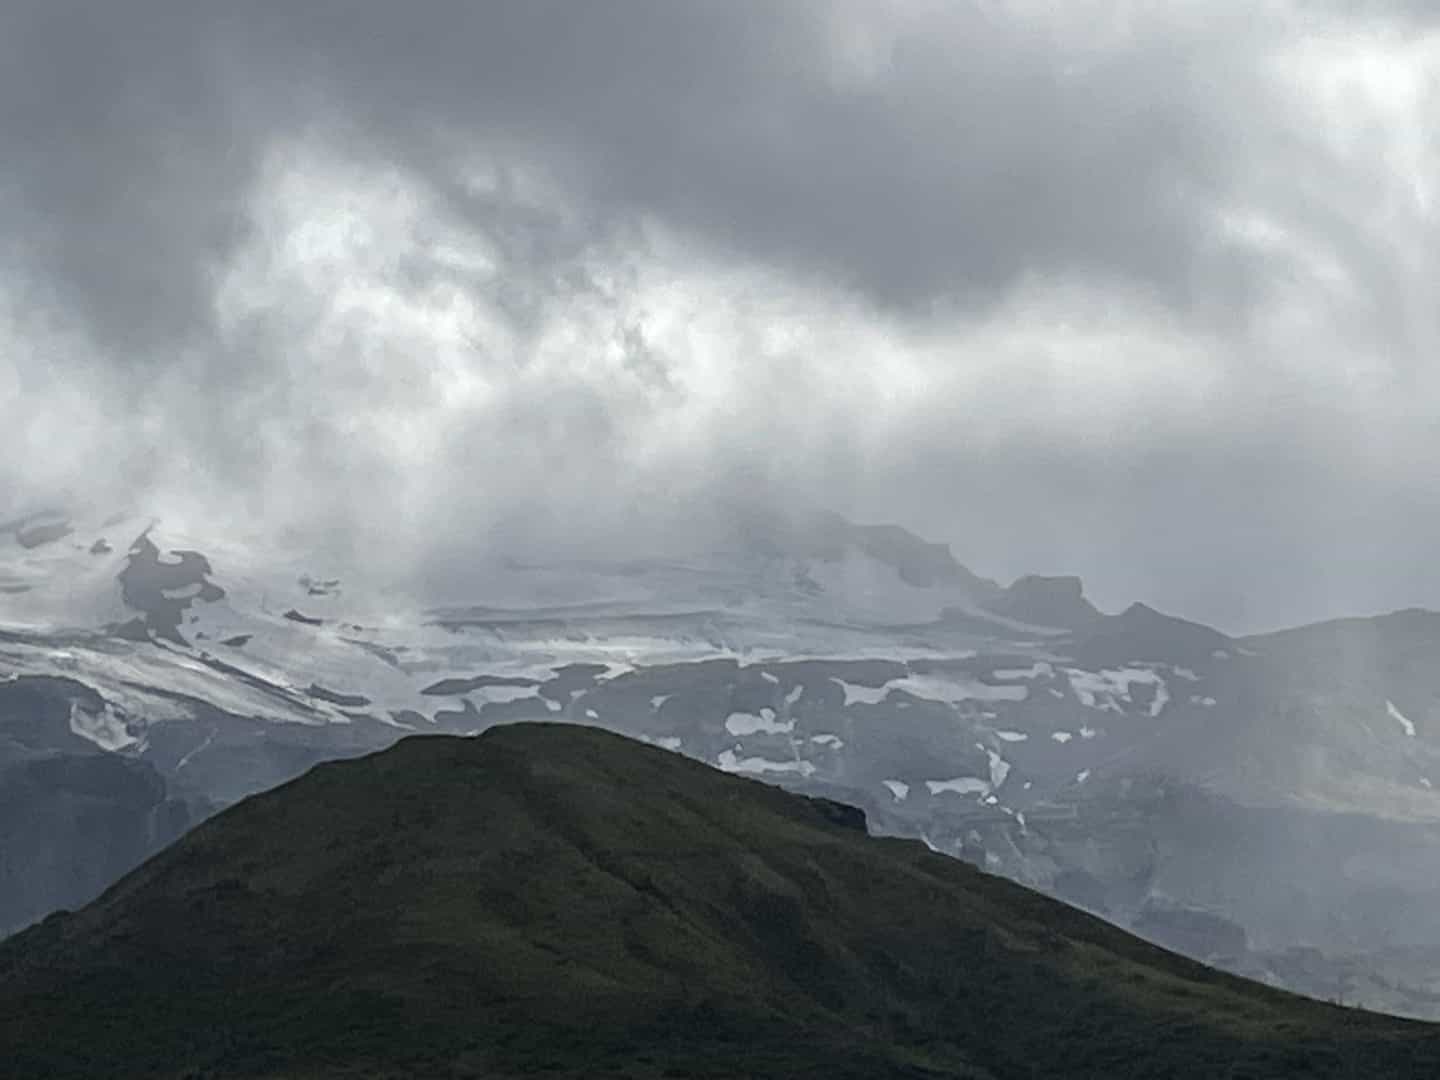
x=1140, y=294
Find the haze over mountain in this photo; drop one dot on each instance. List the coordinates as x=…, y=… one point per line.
x=1265, y=804
x=1013, y=419
x=557, y=899
x=1137, y=292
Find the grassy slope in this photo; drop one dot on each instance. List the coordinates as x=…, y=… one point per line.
x=561, y=901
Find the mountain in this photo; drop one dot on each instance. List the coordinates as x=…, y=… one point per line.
x=557, y=899
x=70, y=824
x=1265, y=804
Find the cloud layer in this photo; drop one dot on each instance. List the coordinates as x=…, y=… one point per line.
x=1144, y=292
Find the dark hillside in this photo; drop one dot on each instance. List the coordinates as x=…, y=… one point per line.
x=556, y=900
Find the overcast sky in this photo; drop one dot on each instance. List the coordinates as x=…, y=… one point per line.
x=1141, y=291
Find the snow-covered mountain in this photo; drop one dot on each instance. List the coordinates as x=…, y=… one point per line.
x=1264, y=803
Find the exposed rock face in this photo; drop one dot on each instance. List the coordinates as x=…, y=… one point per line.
x=71, y=824
x=1047, y=601
x=163, y=587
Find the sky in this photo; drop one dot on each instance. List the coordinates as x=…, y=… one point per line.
x=1144, y=292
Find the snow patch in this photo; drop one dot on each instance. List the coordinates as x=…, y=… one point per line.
x=953, y=689
x=1106, y=689
x=832, y=741
x=732, y=762
x=1011, y=736
x=104, y=728
x=1082, y=776
x=999, y=769
x=1400, y=718
x=485, y=695
x=961, y=785
x=1061, y=736
x=864, y=695
x=739, y=724
x=1038, y=670
x=898, y=788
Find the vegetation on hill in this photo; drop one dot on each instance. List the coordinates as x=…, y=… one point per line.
x=558, y=901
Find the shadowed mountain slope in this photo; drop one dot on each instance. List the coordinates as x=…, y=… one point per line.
x=560, y=899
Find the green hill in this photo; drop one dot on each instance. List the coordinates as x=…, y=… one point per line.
x=557, y=901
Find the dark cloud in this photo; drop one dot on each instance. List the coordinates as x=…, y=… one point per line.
x=1095, y=287
x=922, y=159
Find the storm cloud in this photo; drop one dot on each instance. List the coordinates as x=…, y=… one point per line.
x=1141, y=292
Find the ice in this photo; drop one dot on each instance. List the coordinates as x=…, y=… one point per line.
x=1011, y=736
x=898, y=788
x=658, y=700
x=832, y=741
x=1061, y=736
x=1082, y=776
x=1400, y=718
x=1087, y=732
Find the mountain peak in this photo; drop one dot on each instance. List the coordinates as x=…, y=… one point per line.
x=1057, y=601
